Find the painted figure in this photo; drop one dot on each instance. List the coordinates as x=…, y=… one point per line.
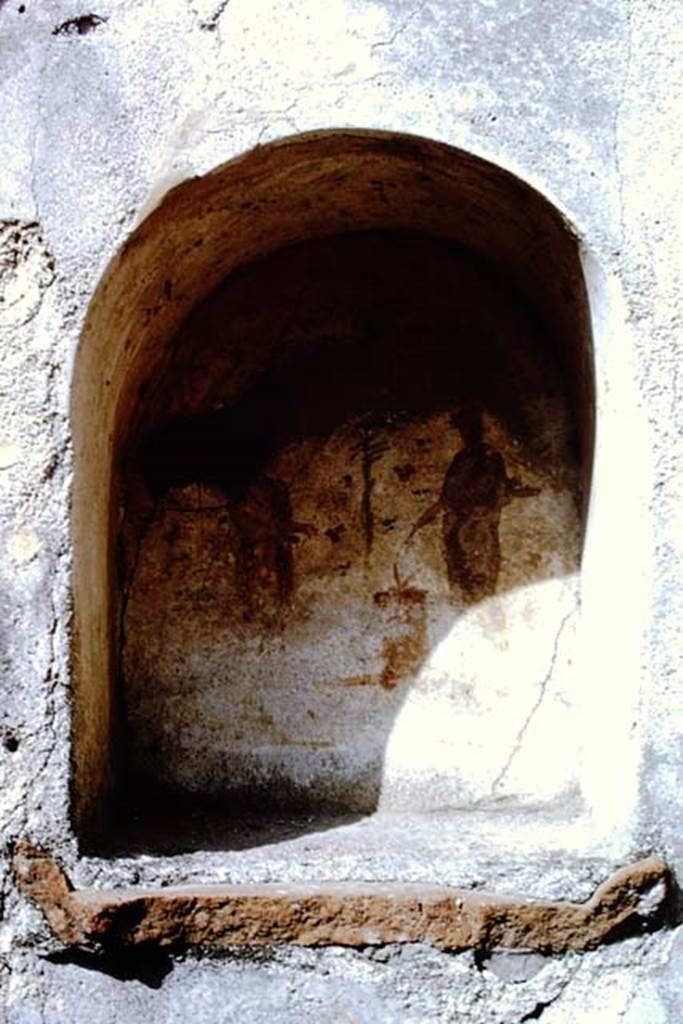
x=267, y=534
x=475, y=490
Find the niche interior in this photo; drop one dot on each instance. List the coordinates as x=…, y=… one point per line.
x=333, y=427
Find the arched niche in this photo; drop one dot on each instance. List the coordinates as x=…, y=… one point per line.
x=303, y=191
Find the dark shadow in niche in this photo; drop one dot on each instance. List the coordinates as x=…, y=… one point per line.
x=149, y=965
x=165, y=823
x=316, y=488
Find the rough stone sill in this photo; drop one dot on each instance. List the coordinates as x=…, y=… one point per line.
x=635, y=899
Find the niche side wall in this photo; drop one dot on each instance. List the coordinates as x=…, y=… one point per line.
x=309, y=187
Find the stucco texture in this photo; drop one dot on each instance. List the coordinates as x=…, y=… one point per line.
x=104, y=111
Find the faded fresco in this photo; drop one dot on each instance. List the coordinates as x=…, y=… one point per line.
x=351, y=536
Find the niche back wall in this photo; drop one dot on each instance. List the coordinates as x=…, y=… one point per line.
x=352, y=536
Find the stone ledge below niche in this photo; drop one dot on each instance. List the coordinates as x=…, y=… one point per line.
x=636, y=898
x=545, y=853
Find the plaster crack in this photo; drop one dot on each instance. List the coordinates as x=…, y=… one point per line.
x=35, y=142
x=210, y=24
x=539, y=1009
x=45, y=731
x=399, y=31
x=517, y=746
x=21, y=803
x=355, y=82
x=255, y=115
x=283, y=115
